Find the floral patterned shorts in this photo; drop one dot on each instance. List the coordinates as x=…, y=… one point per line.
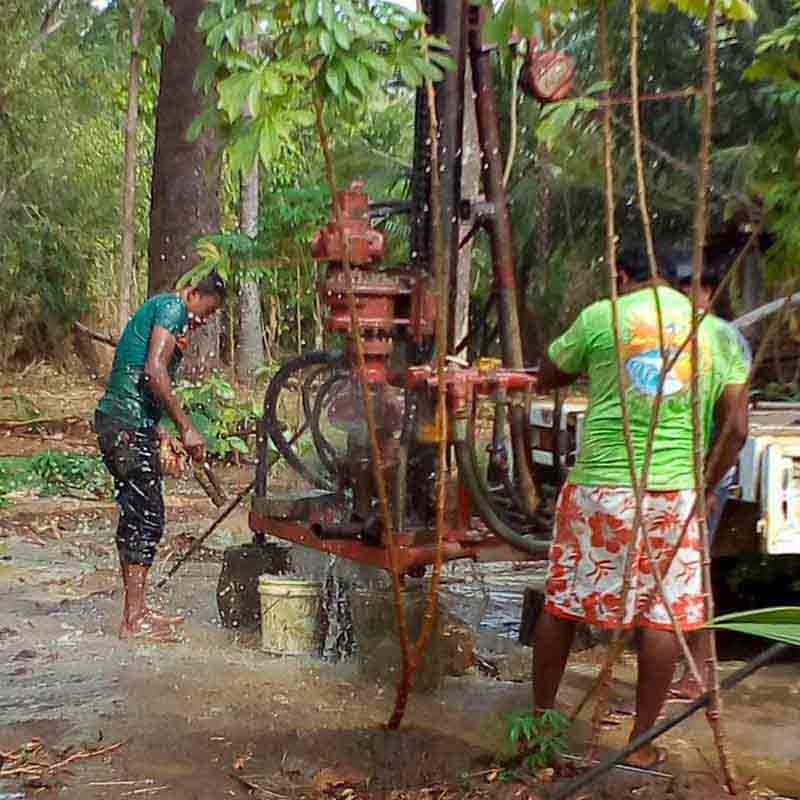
x=593, y=535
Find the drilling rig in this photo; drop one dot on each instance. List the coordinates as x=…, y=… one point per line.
x=495, y=509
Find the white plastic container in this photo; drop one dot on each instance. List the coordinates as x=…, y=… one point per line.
x=290, y=615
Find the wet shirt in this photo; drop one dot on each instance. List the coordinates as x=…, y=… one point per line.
x=128, y=398
x=588, y=346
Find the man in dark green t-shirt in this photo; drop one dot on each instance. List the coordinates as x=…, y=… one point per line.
x=138, y=391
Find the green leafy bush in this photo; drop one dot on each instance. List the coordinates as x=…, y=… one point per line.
x=54, y=473
x=224, y=419
x=538, y=738
x=6, y=486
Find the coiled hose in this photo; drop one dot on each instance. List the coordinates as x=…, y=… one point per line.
x=271, y=426
x=469, y=470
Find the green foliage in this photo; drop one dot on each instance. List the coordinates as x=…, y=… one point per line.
x=344, y=53
x=780, y=624
x=538, y=738
x=555, y=117
x=738, y=10
x=776, y=175
x=223, y=419
x=60, y=164
x=777, y=56
x=24, y=407
x=7, y=486
x=279, y=257
x=528, y=18
x=55, y=472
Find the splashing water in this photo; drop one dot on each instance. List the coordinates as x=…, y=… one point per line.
x=337, y=622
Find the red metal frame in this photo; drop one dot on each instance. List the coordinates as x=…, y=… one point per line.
x=457, y=544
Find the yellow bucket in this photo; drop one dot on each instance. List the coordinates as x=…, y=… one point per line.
x=290, y=615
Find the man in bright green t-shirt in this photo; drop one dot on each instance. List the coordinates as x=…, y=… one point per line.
x=594, y=538
x=138, y=391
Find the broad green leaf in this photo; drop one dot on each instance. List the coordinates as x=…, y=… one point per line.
x=303, y=117
x=409, y=75
x=442, y=59
x=312, y=12
x=245, y=147
x=555, y=118
x=234, y=91
x=343, y=37
x=598, y=86
x=376, y=63
x=272, y=83
x=225, y=391
x=167, y=25
x=237, y=444
x=327, y=13
x=781, y=624
x=326, y=43
x=333, y=80
x=195, y=129
x=358, y=75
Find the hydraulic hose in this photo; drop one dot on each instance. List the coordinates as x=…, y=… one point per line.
x=325, y=450
x=270, y=419
x=470, y=475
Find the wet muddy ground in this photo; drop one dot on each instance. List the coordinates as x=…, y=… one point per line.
x=208, y=716
x=214, y=717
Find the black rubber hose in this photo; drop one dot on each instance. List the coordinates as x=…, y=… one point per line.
x=480, y=500
x=327, y=452
x=515, y=515
x=271, y=426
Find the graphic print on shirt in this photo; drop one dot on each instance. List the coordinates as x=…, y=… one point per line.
x=644, y=360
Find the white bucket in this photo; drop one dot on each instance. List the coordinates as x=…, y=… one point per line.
x=289, y=615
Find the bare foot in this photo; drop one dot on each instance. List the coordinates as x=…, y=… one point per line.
x=647, y=757
x=149, y=628
x=160, y=616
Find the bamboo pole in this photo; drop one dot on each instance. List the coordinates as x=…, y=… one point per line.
x=714, y=710
x=442, y=279
x=401, y=698
x=606, y=672
x=633, y=18
x=638, y=483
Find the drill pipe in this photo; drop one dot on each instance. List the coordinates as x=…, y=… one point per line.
x=502, y=249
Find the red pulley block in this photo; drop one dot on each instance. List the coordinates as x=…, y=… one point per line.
x=547, y=75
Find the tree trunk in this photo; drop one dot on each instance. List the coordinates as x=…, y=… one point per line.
x=250, y=353
x=185, y=187
x=128, y=204
x=319, y=314
x=470, y=188
x=752, y=283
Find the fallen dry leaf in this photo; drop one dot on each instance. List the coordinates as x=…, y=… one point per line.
x=240, y=761
x=329, y=779
x=545, y=775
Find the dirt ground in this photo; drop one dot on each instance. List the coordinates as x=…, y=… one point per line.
x=84, y=715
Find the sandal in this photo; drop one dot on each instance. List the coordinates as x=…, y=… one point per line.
x=661, y=755
x=678, y=695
